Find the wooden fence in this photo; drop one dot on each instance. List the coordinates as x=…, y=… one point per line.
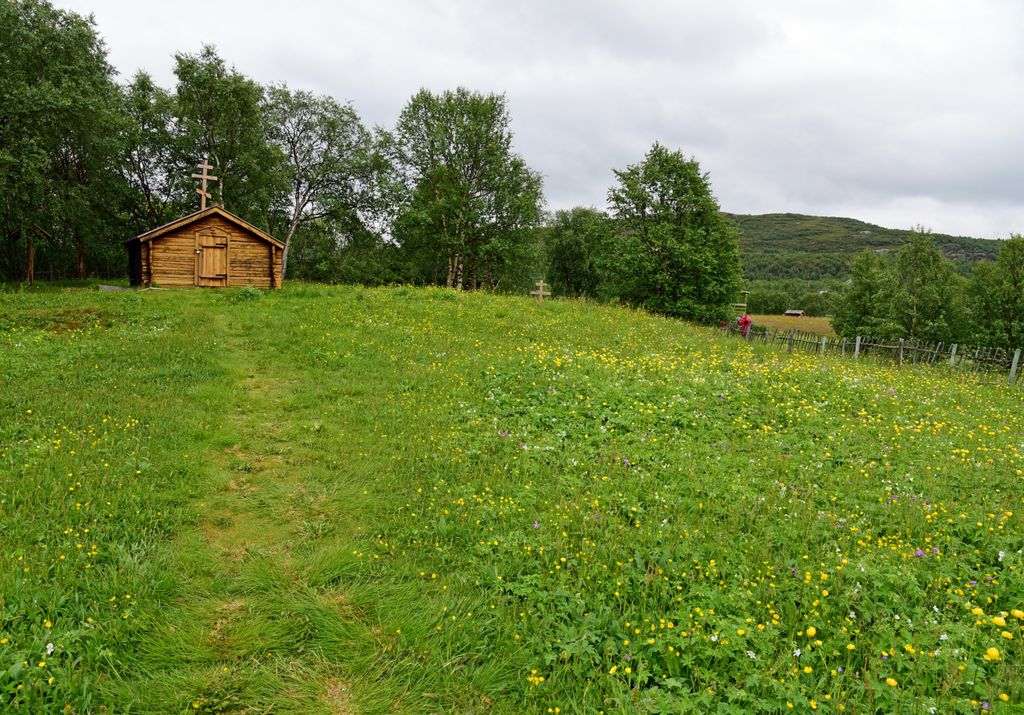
x=981, y=362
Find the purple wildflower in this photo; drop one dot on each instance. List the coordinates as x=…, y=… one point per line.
x=536, y=524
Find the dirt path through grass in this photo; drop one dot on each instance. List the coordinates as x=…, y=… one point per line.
x=291, y=599
x=243, y=635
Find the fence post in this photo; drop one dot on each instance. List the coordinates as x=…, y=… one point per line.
x=952, y=356
x=843, y=347
x=899, y=360
x=791, y=342
x=823, y=340
x=856, y=349
x=1013, y=367
x=974, y=362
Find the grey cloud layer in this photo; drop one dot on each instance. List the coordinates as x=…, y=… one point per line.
x=898, y=113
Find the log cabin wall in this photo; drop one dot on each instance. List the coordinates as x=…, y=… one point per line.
x=170, y=260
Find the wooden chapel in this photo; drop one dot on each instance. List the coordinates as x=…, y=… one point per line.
x=210, y=248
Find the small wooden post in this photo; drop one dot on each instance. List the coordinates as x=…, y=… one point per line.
x=791, y=336
x=856, y=349
x=899, y=359
x=952, y=355
x=824, y=339
x=842, y=347
x=540, y=292
x=1013, y=367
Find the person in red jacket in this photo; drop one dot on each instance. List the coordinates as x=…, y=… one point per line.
x=744, y=323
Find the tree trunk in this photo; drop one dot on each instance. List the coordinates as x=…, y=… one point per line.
x=288, y=244
x=31, y=272
x=79, y=257
x=12, y=253
x=455, y=266
x=220, y=182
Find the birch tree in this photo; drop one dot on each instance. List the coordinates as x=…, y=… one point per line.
x=470, y=201
x=218, y=116
x=677, y=253
x=327, y=152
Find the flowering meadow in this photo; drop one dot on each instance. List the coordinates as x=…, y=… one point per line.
x=416, y=500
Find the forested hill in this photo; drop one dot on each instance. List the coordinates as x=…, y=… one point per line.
x=817, y=247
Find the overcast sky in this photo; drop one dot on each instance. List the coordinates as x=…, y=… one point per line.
x=897, y=112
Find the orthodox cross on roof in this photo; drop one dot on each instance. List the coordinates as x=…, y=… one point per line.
x=204, y=177
x=540, y=292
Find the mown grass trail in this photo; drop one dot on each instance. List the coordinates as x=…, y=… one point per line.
x=397, y=500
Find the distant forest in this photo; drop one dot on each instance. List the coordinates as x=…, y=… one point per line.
x=793, y=246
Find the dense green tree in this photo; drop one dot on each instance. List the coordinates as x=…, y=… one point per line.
x=331, y=253
x=769, y=301
x=149, y=163
x=678, y=255
x=579, y=246
x=916, y=294
x=814, y=302
x=923, y=293
x=469, y=202
x=58, y=130
x=984, y=308
x=861, y=308
x=328, y=163
x=219, y=117
x=996, y=297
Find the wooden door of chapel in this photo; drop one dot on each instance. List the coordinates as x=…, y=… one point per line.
x=211, y=258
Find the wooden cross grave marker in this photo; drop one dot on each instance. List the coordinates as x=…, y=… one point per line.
x=540, y=292
x=204, y=177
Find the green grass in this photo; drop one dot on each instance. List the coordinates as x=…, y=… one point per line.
x=400, y=500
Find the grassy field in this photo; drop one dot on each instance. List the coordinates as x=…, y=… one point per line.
x=346, y=500
x=806, y=323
